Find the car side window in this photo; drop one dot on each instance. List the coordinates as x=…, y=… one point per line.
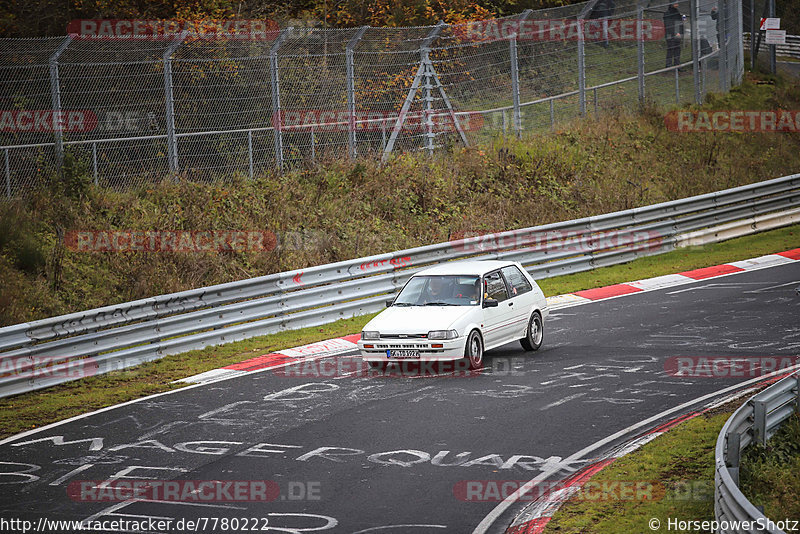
x=494, y=287
x=516, y=280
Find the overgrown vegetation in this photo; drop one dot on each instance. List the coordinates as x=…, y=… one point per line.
x=343, y=209
x=770, y=475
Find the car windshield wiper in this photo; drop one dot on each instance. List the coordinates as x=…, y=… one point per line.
x=439, y=304
x=402, y=304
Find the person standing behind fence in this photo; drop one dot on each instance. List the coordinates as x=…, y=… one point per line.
x=673, y=31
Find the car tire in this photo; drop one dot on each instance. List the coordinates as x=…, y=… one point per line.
x=473, y=351
x=534, y=334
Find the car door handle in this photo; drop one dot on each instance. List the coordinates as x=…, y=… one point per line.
x=510, y=303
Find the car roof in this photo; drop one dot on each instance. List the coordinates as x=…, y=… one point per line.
x=471, y=267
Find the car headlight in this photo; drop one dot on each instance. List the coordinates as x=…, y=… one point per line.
x=442, y=334
x=370, y=335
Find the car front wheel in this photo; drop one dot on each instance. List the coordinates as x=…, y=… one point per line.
x=535, y=334
x=474, y=350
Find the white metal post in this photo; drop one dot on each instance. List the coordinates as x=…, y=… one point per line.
x=55, y=95
x=172, y=141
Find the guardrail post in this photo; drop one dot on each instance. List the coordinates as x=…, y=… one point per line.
x=734, y=455
x=8, y=176
x=695, y=13
x=276, y=96
x=759, y=421
x=250, y=152
x=581, y=68
x=722, y=35
x=55, y=95
x=351, y=91
x=515, y=86
x=172, y=141
x=640, y=49
x=797, y=393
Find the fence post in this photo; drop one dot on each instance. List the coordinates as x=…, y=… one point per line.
x=677, y=87
x=94, y=162
x=581, y=68
x=640, y=50
x=722, y=35
x=276, y=96
x=773, y=66
x=55, y=95
x=250, y=152
x=8, y=176
x=752, y=34
x=172, y=142
x=552, y=115
x=351, y=92
x=695, y=13
x=515, y=86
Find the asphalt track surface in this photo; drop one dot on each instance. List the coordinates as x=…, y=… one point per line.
x=334, y=444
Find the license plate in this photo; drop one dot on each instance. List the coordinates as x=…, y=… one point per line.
x=402, y=354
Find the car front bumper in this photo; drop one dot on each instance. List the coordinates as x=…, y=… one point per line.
x=377, y=350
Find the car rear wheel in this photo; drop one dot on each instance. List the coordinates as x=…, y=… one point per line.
x=535, y=333
x=474, y=350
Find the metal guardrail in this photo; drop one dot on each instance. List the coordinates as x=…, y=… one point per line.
x=755, y=421
x=790, y=49
x=42, y=353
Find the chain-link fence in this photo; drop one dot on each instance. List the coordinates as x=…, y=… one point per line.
x=133, y=111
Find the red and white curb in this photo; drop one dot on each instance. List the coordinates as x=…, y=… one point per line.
x=669, y=280
x=341, y=345
x=282, y=358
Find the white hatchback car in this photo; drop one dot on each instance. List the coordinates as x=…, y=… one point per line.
x=457, y=310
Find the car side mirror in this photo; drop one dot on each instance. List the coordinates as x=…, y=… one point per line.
x=389, y=302
x=490, y=303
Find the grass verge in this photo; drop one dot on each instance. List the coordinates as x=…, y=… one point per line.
x=678, y=464
x=30, y=410
x=676, y=473
x=770, y=476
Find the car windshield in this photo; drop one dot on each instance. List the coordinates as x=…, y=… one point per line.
x=444, y=290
